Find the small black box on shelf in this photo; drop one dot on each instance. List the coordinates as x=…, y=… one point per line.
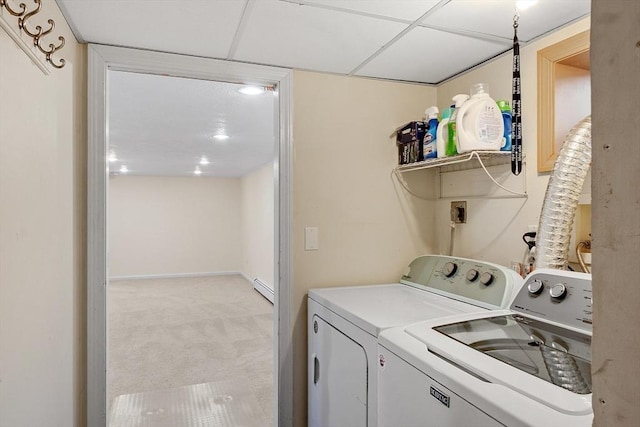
x=409, y=140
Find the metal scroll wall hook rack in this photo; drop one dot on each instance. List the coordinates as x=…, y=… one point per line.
x=36, y=32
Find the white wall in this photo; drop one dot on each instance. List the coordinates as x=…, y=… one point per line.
x=369, y=228
x=495, y=226
x=174, y=225
x=572, y=99
x=42, y=234
x=258, y=224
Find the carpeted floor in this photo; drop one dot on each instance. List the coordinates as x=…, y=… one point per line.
x=168, y=333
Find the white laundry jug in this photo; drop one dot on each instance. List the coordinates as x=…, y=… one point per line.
x=480, y=125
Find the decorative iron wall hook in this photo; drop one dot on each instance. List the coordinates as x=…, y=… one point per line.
x=5, y=4
x=37, y=33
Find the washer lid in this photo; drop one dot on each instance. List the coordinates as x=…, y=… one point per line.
x=557, y=355
x=491, y=369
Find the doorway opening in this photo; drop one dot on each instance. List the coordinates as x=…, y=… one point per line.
x=102, y=61
x=190, y=230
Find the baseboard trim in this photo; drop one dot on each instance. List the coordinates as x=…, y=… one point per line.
x=176, y=275
x=263, y=289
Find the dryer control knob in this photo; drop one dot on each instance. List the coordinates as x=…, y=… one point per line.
x=472, y=275
x=449, y=269
x=535, y=287
x=558, y=291
x=486, y=278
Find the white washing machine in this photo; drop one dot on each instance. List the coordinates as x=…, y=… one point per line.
x=344, y=324
x=527, y=366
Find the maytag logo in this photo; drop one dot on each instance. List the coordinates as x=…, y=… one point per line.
x=443, y=398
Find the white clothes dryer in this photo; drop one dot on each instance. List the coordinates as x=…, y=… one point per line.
x=344, y=324
x=527, y=366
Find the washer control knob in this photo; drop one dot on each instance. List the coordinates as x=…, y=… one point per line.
x=558, y=291
x=535, y=287
x=449, y=269
x=486, y=278
x=472, y=275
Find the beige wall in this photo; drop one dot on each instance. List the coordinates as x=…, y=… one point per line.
x=343, y=156
x=616, y=219
x=258, y=224
x=174, y=225
x=42, y=223
x=495, y=225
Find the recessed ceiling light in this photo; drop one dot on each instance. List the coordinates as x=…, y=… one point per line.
x=123, y=169
x=112, y=157
x=525, y=4
x=197, y=171
x=251, y=90
x=221, y=136
x=204, y=161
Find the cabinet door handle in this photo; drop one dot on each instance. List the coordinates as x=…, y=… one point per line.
x=316, y=370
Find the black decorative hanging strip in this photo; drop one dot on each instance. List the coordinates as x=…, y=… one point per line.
x=516, y=123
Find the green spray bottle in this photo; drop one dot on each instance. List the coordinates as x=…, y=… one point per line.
x=452, y=137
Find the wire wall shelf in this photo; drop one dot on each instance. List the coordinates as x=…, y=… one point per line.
x=460, y=162
x=466, y=161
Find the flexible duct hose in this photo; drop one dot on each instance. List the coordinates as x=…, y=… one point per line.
x=561, y=199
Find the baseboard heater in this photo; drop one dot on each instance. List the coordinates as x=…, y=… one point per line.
x=262, y=287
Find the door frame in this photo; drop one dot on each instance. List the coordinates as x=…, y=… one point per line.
x=103, y=58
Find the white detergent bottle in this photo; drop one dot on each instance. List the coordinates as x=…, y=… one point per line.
x=442, y=133
x=480, y=125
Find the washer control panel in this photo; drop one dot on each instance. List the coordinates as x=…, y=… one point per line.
x=560, y=296
x=477, y=282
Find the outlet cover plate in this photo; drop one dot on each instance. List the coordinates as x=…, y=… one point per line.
x=459, y=212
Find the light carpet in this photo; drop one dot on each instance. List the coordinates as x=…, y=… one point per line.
x=170, y=333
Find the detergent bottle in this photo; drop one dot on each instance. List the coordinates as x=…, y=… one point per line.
x=452, y=137
x=442, y=132
x=479, y=124
x=430, y=134
x=506, y=119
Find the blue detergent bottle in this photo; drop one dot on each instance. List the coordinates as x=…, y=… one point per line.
x=506, y=117
x=430, y=150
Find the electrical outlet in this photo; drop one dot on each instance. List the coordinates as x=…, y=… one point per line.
x=459, y=212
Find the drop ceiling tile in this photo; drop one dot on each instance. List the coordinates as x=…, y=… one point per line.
x=409, y=10
x=196, y=27
x=430, y=56
x=495, y=17
x=300, y=36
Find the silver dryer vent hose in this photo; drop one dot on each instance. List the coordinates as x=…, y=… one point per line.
x=561, y=199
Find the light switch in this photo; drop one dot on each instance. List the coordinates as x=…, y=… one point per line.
x=311, y=238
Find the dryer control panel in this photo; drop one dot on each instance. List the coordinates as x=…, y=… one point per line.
x=559, y=296
x=476, y=282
